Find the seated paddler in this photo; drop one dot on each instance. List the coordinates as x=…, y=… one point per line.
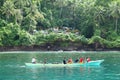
x=33, y=60
x=70, y=61
x=77, y=60
x=64, y=60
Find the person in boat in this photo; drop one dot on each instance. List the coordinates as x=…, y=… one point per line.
x=64, y=61
x=33, y=60
x=45, y=60
x=70, y=61
x=81, y=60
x=77, y=60
x=88, y=59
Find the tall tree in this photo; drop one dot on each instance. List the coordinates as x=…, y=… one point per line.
x=114, y=9
x=8, y=9
x=18, y=17
x=99, y=15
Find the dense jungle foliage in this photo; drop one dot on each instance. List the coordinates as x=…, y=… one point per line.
x=39, y=22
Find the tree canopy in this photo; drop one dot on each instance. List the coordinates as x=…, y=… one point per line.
x=33, y=22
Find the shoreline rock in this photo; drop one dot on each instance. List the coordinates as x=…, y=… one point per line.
x=54, y=48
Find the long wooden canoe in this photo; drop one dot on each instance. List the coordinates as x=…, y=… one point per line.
x=91, y=63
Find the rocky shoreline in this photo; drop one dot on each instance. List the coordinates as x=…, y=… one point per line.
x=54, y=48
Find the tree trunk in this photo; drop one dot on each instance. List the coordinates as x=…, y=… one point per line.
x=116, y=21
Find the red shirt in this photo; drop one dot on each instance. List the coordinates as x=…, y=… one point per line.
x=81, y=60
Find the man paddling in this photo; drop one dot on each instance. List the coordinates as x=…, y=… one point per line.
x=77, y=60
x=33, y=60
x=70, y=61
x=64, y=61
x=81, y=60
x=88, y=59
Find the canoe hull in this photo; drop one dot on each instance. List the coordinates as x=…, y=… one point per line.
x=91, y=63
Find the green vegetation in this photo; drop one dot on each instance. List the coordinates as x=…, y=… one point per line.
x=39, y=22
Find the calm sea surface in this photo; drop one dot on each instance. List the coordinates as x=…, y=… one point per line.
x=12, y=66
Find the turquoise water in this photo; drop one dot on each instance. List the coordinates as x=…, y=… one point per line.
x=12, y=66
